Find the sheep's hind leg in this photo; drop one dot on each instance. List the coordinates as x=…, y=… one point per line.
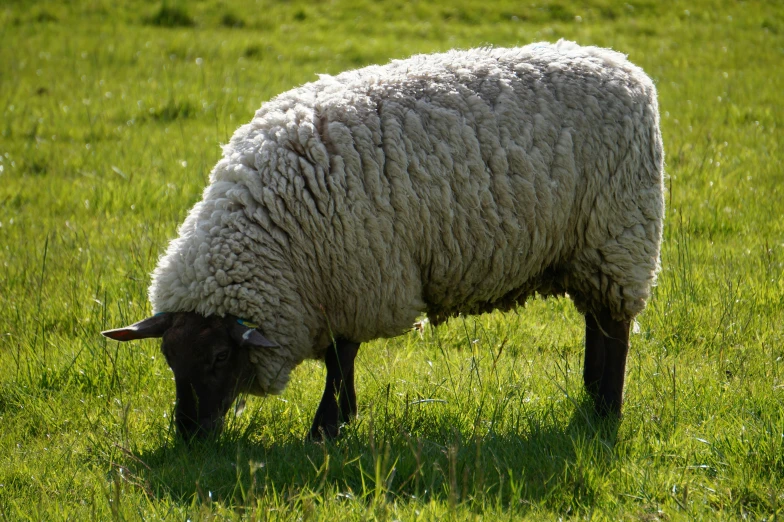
x=339, y=402
x=594, y=356
x=606, y=348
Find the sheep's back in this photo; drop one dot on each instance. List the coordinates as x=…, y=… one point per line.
x=472, y=182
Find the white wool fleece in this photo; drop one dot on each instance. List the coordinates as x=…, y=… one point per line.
x=447, y=183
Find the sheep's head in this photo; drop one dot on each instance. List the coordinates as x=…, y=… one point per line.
x=210, y=360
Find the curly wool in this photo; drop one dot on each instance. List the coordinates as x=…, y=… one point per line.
x=448, y=183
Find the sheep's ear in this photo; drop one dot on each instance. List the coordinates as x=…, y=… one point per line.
x=245, y=334
x=154, y=326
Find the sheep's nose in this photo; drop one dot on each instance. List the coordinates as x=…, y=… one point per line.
x=187, y=428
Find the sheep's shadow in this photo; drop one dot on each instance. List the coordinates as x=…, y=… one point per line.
x=438, y=463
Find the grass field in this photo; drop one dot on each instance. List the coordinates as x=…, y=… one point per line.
x=112, y=116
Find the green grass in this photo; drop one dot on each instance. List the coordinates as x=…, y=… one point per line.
x=112, y=118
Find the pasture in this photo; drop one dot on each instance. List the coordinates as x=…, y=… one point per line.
x=112, y=118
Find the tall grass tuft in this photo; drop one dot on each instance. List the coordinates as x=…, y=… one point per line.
x=170, y=16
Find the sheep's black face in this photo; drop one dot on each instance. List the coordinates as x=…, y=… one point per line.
x=210, y=358
x=210, y=370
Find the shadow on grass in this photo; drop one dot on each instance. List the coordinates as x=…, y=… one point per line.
x=543, y=462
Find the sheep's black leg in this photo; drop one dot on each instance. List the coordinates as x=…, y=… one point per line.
x=339, y=402
x=616, y=348
x=348, y=396
x=594, y=356
x=606, y=347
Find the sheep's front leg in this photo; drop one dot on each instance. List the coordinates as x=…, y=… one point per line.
x=339, y=402
x=606, y=347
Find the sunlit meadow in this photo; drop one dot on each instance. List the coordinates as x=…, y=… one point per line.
x=112, y=117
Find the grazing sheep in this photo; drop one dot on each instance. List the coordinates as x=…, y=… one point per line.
x=449, y=183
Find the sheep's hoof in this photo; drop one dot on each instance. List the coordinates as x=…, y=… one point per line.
x=607, y=408
x=319, y=433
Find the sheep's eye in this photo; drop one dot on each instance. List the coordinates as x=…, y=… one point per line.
x=222, y=356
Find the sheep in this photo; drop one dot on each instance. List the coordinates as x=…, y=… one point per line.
x=443, y=184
